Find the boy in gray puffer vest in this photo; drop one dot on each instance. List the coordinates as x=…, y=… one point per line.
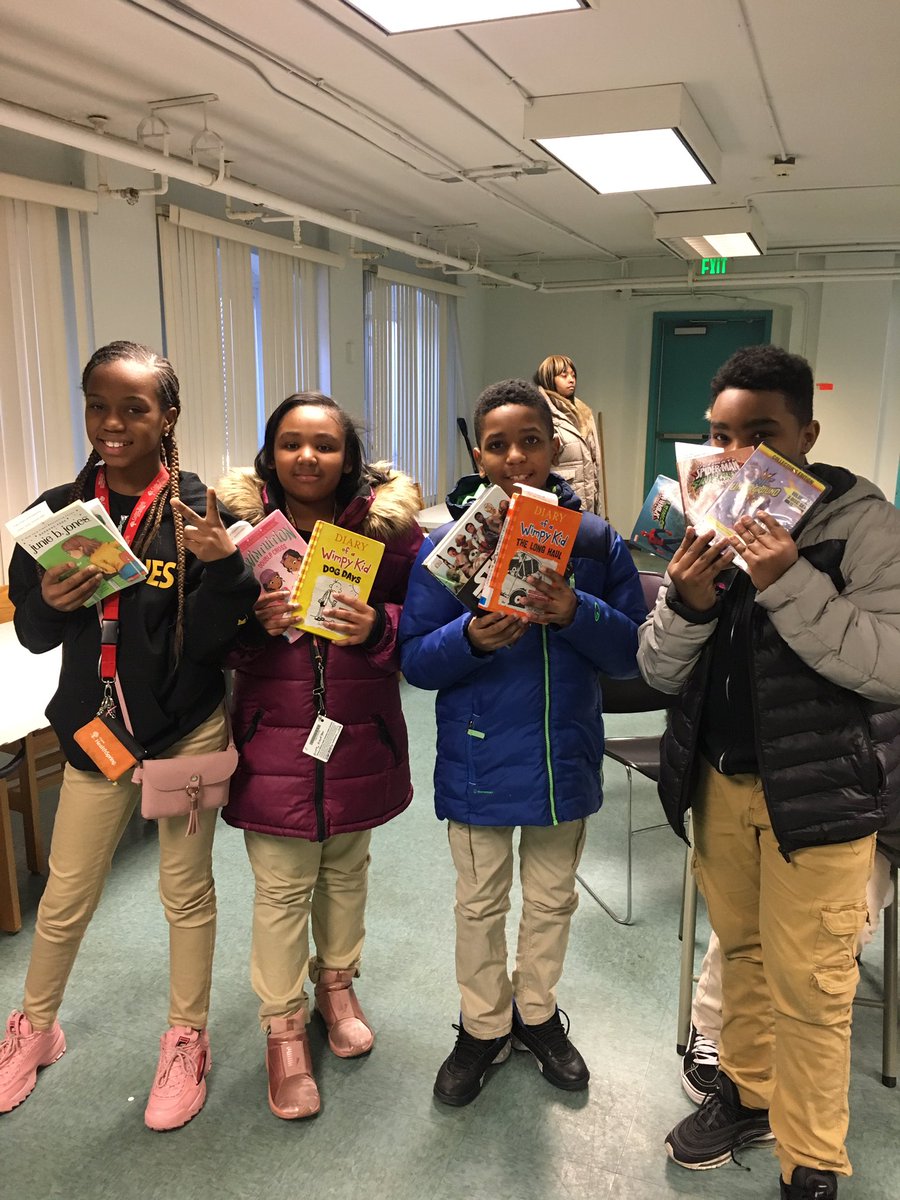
x=783, y=741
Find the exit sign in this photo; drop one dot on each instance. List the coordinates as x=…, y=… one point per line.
x=713, y=266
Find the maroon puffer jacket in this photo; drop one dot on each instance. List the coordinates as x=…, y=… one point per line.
x=278, y=789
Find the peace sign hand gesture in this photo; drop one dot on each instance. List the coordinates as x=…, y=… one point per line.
x=205, y=537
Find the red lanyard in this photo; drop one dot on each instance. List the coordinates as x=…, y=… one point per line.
x=109, y=625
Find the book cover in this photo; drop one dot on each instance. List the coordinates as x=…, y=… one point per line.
x=767, y=482
x=274, y=552
x=536, y=535
x=703, y=473
x=660, y=526
x=336, y=560
x=78, y=537
x=462, y=558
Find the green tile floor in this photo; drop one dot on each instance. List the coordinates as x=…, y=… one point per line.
x=80, y=1136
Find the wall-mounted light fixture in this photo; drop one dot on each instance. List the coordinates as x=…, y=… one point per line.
x=711, y=233
x=401, y=16
x=631, y=140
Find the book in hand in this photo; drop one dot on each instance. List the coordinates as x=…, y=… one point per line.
x=660, y=526
x=703, y=473
x=336, y=560
x=274, y=552
x=462, y=558
x=536, y=535
x=767, y=482
x=79, y=535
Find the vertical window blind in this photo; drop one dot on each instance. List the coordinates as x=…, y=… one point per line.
x=243, y=331
x=413, y=377
x=45, y=338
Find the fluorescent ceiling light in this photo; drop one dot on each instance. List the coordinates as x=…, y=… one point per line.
x=401, y=16
x=631, y=140
x=711, y=233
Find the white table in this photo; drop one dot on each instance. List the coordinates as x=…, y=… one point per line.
x=27, y=684
x=433, y=518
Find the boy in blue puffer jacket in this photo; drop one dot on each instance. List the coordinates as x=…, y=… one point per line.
x=520, y=743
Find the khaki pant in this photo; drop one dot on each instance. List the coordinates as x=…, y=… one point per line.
x=90, y=821
x=788, y=933
x=293, y=878
x=483, y=857
x=706, y=1011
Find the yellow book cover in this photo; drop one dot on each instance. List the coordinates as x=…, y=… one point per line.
x=337, y=560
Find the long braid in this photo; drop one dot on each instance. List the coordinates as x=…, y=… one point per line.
x=77, y=492
x=175, y=492
x=168, y=394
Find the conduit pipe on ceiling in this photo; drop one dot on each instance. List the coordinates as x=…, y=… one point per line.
x=68, y=133
x=633, y=283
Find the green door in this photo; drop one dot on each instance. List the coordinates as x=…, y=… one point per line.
x=688, y=349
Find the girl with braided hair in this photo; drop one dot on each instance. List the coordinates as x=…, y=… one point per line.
x=173, y=630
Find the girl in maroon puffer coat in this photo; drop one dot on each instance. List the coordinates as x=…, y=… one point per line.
x=307, y=823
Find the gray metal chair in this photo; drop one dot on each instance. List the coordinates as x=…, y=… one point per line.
x=639, y=753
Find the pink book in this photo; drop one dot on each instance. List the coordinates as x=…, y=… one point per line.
x=273, y=550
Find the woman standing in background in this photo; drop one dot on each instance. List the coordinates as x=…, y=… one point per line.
x=574, y=425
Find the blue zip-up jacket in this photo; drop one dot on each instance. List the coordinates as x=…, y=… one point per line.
x=520, y=731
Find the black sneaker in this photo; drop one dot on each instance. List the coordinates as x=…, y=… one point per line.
x=700, y=1067
x=461, y=1075
x=809, y=1184
x=708, y=1137
x=560, y=1062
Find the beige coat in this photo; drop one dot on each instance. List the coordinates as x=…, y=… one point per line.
x=579, y=456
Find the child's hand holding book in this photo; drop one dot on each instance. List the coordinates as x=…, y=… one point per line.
x=766, y=547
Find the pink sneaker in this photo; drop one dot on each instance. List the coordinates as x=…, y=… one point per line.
x=23, y=1052
x=179, y=1089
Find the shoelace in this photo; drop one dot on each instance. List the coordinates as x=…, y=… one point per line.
x=552, y=1034
x=704, y=1051
x=714, y=1113
x=180, y=1052
x=10, y=1044
x=468, y=1049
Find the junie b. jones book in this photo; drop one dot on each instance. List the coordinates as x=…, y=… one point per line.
x=274, y=552
x=336, y=561
x=536, y=535
x=79, y=535
x=462, y=558
x=660, y=526
x=767, y=482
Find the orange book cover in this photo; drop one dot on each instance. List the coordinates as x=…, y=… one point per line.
x=536, y=535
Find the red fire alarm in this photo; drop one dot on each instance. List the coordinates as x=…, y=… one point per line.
x=825, y=387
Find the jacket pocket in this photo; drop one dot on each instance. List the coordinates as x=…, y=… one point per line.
x=242, y=738
x=385, y=736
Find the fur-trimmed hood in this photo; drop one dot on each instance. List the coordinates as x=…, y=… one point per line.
x=384, y=511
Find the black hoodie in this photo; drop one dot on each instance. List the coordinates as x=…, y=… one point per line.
x=165, y=702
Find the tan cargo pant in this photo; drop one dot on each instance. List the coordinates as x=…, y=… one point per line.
x=90, y=821
x=483, y=857
x=293, y=878
x=788, y=933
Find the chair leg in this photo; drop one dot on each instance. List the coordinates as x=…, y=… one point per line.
x=891, y=1014
x=627, y=918
x=10, y=913
x=29, y=807
x=688, y=940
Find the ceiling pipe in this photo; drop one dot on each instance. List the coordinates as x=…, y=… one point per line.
x=634, y=283
x=68, y=133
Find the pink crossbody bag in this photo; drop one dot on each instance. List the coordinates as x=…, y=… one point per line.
x=186, y=785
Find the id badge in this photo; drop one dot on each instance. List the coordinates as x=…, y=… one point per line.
x=109, y=745
x=322, y=738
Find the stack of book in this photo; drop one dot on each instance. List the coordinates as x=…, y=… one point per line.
x=492, y=553
x=715, y=489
